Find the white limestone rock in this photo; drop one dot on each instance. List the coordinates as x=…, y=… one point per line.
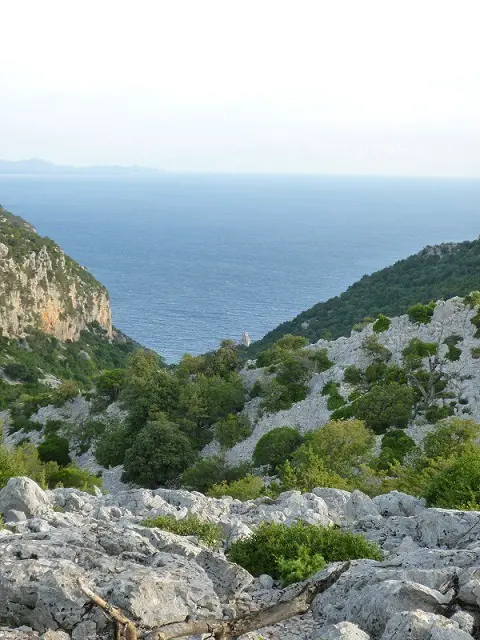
x=396, y=503
x=342, y=631
x=421, y=625
x=23, y=494
x=360, y=506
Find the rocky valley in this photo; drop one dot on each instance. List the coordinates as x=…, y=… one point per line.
x=340, y=475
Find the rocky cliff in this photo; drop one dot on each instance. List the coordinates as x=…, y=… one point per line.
x=42, y=287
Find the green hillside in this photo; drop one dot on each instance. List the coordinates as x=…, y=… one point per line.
x=436, y=272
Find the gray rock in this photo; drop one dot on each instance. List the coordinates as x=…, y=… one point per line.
x=14, y=516
x=421, y=625
x=85, y=630
x=266, y=581
x=465, y=621
x=335, y=499
x=23, y=494
x=396, y=503
x=342, y=631
x=360, y=506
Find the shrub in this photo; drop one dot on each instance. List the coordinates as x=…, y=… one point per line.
x=159, y=454
x=329, y=388
x=210, y=471
x=475, y=353
x=247, y=488
x=304, y=565
x=421, y=313
x=473, y=299
x=191, y=525
x=375, y=348
x=342, y=445
x=68, y=390
x=381, y=324
x=232, y=429
x=435, y=413
x=417, y=349
x=335, y=401
x=395, y=446
x=476, y=323
x=453, y=352
x=278, y=396
x=360, y=326
x=21, y=372
x=320, y=359
x=20, y=461
x=451, y=437
x=307, y=471
x=386, y=406
x=344, y=413
x=271, y=542
x=111, y=446
x=458, y=484
x=375, y=372
x=110, y=383
x=257, y=390
x=72, y=476
x=276, y=446
x=352, y=375
x=55, y=449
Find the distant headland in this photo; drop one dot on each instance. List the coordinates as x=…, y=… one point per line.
x=42, y=167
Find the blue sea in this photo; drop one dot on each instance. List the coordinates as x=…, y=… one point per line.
x=191, y=259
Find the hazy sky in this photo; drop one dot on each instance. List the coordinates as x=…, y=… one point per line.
x=334, y=86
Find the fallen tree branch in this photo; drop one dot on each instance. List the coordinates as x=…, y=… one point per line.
x=121, y=622
x=235, y=627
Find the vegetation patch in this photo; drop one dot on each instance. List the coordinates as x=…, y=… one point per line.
x=209, y=532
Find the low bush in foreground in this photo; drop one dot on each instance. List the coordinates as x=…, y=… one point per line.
x=295, y=552
x=209, y=532
x=247, y=488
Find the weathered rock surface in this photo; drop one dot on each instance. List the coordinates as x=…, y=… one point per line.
x=53, y=538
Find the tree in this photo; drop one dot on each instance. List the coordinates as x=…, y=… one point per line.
x=451, y=437
x=276, y=446
x=395, y=446
x=112, y=445
x=159, y=454
x=232, y=429
x=55, y=449
x=343, y=445
x=386, y=406
x=306, y=471
x=110, y=382
x=458, y=484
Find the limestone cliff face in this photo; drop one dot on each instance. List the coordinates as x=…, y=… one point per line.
x=42, y=287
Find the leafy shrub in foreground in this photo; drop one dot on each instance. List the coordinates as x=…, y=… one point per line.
x=262, y=552
x=306, y=471
x=352, y=375
x=209, y=532
x=71, y=476
x=276, y=446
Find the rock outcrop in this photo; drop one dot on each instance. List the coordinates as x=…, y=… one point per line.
x=42, y=287
x=428, y=589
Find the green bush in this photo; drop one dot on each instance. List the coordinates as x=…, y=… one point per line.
x=386, y=406
x=335, y=401
x=381, y=324
x=257, y=390
x=453, y=352
x=21, y=371
x=330, y=388
x=417, y=349
x=421, y=313
x=247, y=488
x=352, y=375
x=276, y=446
x=55, y=449
x=458, y=484
x=110, y=383
x=307, y=471
x=111, y=446
x=191, y=525
x=232, y=429
x=159, y=454
x=261, y=553
x=344, y=413
x=395, y=446
x=72, y=476
x=372, y=345
x=475, y=353
x=434, y=414
x=342, y=445
x=451, y=437
x=278, y=397
x=303, y=566
x=376, y=371
x=320, y=359
x=210, y=471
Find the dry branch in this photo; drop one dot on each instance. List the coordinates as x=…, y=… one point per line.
x=235, y=627
x=228, y=629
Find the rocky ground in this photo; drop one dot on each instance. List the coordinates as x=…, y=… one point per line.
x=428, y=586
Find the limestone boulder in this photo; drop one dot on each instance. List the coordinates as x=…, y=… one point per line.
x=23, y=494
x=342, y=631
x=422, y=625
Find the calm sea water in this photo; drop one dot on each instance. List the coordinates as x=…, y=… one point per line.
x=189, y=260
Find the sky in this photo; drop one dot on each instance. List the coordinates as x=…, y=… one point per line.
x=376, y=87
